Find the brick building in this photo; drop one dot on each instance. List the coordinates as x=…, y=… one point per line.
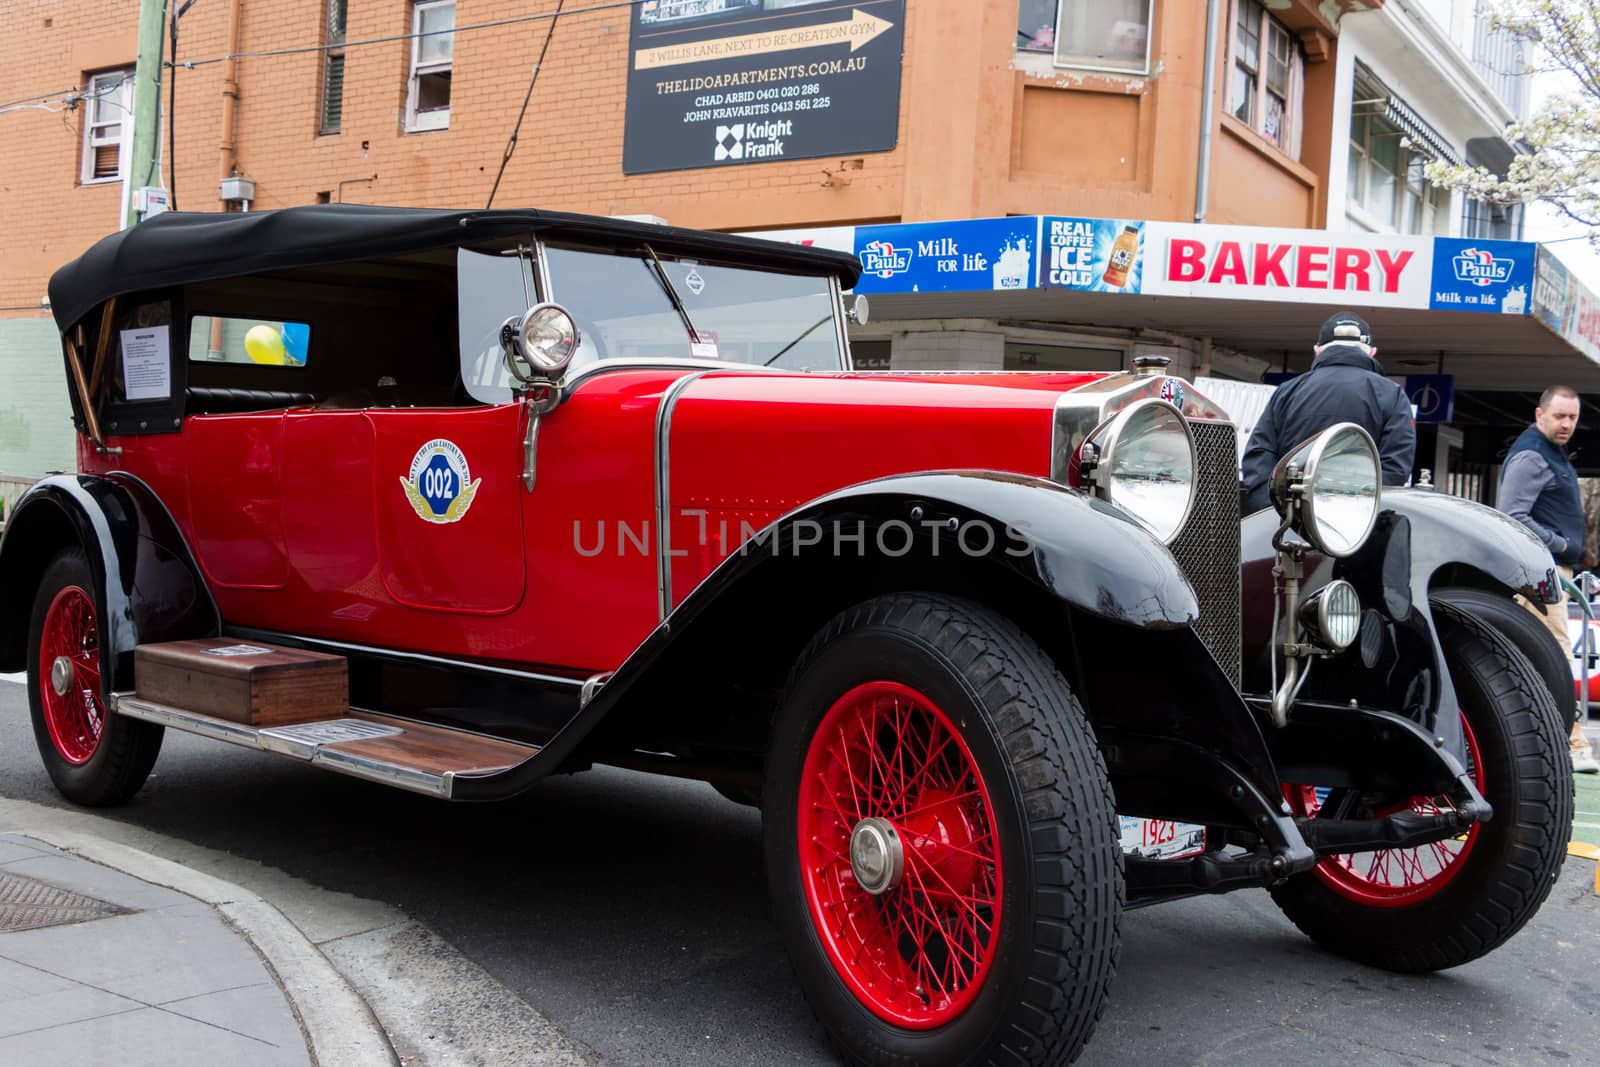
x=1004, y=108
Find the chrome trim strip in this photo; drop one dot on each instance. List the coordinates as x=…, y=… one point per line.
x=686, y=364
x=1080, y=411
x=414, y=657
x=407, y=778
x=246, y=736
x=542, y=272
x=841, y=331
x=669, y=400
x=592, y=686
x=293, y=747
x=218, y=729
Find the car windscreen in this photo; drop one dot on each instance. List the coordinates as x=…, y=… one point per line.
x=491, y=288
x=741, y=315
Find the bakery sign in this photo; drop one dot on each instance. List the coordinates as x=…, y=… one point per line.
x=1292, y=266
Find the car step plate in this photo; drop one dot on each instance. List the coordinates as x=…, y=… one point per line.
x=304, y=738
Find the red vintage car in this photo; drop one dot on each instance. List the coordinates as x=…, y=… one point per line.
x=453, y=500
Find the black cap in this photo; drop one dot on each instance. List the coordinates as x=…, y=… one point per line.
x=1345, y=326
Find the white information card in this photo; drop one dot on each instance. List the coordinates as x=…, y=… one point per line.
x=147, y=363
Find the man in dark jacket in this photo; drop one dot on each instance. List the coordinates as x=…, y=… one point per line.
x=1345, y=384
x=1539, y=488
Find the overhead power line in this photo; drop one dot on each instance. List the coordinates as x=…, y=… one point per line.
x=511, y=145
x=65, y=98
x=188, y=64
x=42, y=96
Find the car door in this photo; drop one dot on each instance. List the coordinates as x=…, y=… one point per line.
x=448, y=490
x=235, y=474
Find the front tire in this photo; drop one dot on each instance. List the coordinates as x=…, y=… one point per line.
x=1445, y=904
x=927, y=745
x=94, y=757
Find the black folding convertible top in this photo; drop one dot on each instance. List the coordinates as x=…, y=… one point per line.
x=178, y=248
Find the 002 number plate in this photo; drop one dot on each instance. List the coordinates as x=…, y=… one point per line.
x=1161, y=839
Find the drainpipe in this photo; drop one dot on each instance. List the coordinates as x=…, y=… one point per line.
x=1208, y=110
x=230, y=158
x=230, y=93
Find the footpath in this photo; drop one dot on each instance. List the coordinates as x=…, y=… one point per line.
x=102, y=960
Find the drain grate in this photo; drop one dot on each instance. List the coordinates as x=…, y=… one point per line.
x=26, y=904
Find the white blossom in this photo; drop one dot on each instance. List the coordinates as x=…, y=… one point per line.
x=1559, y=144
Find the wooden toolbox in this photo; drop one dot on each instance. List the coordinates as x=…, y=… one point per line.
x=242, y=681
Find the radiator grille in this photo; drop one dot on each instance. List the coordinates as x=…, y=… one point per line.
x=1208, y=548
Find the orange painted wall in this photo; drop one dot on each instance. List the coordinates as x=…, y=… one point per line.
x=983, y=130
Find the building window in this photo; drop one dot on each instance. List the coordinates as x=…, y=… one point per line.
x=1385, y=178
x=1268, y=71
x=333, y=69
x=432, y=50
x=1095, y=34
x=107, y=124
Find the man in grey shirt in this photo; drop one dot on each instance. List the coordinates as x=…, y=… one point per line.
x=1539, y=488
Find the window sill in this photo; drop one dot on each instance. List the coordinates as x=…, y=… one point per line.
x=1043, y=65
x=1268, y=151
x=428, y=126
x=99, y=181
x=1366, y=220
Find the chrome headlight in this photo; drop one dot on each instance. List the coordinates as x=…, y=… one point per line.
x=1333, y=615
x=1143, y=461
x=1334, y=479
x=540, y=343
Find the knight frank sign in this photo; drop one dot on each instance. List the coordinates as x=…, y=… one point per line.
x=720, y=83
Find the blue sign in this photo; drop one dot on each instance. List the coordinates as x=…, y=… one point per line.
x=1432, y=396
x=1092, y=255
x=966, y=255
x=1474, y=275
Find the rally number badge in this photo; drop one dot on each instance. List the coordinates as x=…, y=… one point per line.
x=440, y=485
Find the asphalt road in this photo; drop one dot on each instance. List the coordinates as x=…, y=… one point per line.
x=632, y=912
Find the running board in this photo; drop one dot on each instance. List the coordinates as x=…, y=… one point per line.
x=414, y=756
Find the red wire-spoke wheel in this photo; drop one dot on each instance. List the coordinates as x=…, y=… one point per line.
x=898, y=855
x=94, y=756
x=941, y=841
x=69, y=673
x=1398, y=877
x=1450, y=902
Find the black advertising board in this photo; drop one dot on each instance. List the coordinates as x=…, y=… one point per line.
x=720, y=83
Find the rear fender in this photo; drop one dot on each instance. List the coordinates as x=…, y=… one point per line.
x=147, y=584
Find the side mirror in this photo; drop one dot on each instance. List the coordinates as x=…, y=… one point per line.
x=858, y=311
x=539, y=344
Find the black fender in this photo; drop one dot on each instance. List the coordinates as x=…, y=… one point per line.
x=1423, y=540
x=1095, y=589
x=149, y=587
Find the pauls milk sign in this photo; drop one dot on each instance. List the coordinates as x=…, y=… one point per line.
x=1296, y=266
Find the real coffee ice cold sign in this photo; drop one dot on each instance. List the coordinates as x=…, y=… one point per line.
x=717, y=83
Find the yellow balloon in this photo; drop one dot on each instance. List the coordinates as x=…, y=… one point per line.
x=265, y=345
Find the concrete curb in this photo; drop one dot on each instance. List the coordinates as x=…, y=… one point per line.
x=338, y=1023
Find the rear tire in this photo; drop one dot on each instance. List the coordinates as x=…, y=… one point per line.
x=94, y=757
x=943, y=724
x=1446, y=904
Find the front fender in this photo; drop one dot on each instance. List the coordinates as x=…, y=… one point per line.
x=1082, y=551
x=147, y=584
x=1422, y=540
x=1030, y=547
